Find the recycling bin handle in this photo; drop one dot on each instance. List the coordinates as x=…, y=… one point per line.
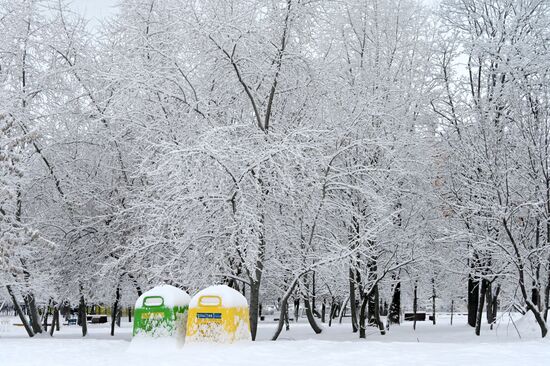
x=153, y=297
x=207, y=300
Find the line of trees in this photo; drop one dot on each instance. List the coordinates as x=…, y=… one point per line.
x=351, y=153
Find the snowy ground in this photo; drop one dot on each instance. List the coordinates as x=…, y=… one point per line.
x=428, y=345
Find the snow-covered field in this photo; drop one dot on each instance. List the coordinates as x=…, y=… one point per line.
x=428, y=345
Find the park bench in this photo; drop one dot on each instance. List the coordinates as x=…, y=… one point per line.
x=420, y=316
x=97, y=319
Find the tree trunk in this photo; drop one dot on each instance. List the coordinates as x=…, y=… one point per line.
x=33, y=312
x=480, y=305
x=373, y=295
x=363, y=318
x=82, y=316
x=20, y=313
x=489, y=302
x=58, y=320
x=473, y=300
x=284, y=305
x=395, y=306
x=55, y=321
x=45, y=323
x=296, y=309
x=310, y=317
x=332, y=312
x=374, y=317
x=372, y=307
x=129, y=314
x=115, y=311
x=287, y=322
x=136, y=284
x=313, y=295
x=46, y=315
x=521, y=281
x=433, y=301
x=26, y=308
x=547, y=291
x=283, y=310
x=494, y=306
x=546, y=299
x=535, y=296
x=352, y=301
x=254, y=308
x=256, y=278
x=415, y=303
x=343, y=310
x=323, y=311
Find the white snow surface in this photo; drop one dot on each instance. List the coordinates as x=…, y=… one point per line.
x=146, y=344
x=230, y=297
x=527, y=325
x=172, y=296
x=429, y=345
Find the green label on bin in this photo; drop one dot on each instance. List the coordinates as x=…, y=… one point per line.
x=209, y=315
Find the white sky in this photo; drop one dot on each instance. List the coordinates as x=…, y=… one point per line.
x=94, y=9
x=99, y=9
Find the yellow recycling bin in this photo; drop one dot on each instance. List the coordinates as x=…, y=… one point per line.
x=218, y=314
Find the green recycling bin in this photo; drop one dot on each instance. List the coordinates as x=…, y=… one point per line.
x=161, y=312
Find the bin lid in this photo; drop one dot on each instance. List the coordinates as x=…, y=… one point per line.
x=171, y=296
x=230, y=298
